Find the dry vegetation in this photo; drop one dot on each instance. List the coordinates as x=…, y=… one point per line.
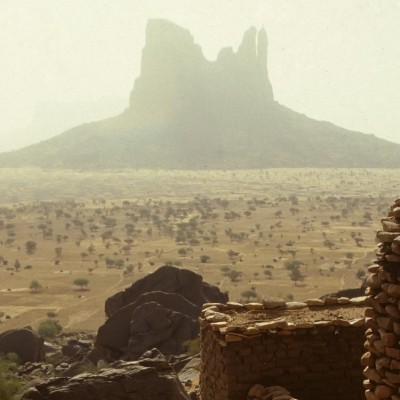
x=285, y=233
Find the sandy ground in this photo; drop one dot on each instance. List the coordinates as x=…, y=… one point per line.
x=324, y=219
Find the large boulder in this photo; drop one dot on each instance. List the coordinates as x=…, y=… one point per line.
x=168, y=279
x=160, y=310
x=116, y=331
x=144, y=379
x=25, y=342
x=154, y=325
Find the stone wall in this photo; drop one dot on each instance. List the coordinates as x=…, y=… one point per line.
x=312, y=349
x=382, y=359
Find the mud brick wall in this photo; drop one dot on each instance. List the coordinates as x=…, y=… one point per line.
x=313, y=360
x=382, y=359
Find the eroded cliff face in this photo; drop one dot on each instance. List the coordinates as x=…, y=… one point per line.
x=176, y=79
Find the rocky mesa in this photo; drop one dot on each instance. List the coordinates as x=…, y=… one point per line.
x=186, y=112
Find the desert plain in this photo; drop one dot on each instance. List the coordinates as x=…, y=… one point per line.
x=242, y=230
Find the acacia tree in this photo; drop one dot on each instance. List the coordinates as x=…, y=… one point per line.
x=234, y=275
x=267, y=273
x=225, y=269
x=81, y=282
x=249, y=293
x=293, y=264
x=58, y=251
x=17, y=265
x=296, y=275
x=35, y=286
x=30, y=246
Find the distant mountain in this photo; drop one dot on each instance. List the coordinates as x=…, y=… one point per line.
x=186, y=112
x=53, y=118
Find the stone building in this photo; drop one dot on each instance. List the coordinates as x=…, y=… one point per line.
x=313, y=349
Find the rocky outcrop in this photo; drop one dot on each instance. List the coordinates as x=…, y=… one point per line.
x=179, y=315
x=174, y=69
x=168, y=279
x=75, y=347
x=153, y=325
x=144, y=379
x=160, y=310
x=25, y=342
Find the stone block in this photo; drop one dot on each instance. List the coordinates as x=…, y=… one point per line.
x=372, y=373
x=367, y=360
x=393, y=377
x=393, y=352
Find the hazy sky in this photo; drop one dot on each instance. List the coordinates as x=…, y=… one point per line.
x=74, y=60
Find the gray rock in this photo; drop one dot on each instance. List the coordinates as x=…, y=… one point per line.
x=153, y=325
x=168, y=279
x=160, y=310
x=115, y=332
x=123, y=380
x=25, y=342
x=191, y=371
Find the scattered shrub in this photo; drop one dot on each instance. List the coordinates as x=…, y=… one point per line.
x=51, y=314
x=360, y=274
x=10, y=386
x=49, y=328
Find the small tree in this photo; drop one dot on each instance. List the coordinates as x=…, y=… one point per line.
x=296, y=275
x=225, y=269
x=49, y=328
x=292, y=264
x=234, y=275
x=35, y=286
x=360, y=274
x=81, y=282
x=328, y=243
x=30, y=246
x=267, y=273
x=182, y=251
x=204, y=258
x=58, y=251
x=17, y=265
x=247, y=294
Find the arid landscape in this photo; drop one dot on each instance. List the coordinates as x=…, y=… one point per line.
x=199, y=200
x=69, y=240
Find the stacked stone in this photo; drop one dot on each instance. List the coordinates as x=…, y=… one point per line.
x=382, y=359
x=317, y=358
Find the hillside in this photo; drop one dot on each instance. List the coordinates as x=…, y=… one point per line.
x=186, y=112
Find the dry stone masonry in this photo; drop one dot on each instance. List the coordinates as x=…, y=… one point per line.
x=382, y=359
x=313, y=349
